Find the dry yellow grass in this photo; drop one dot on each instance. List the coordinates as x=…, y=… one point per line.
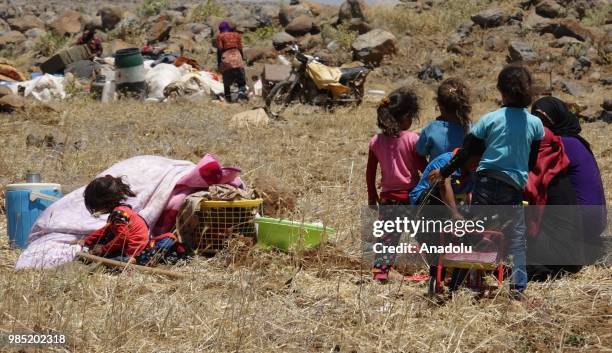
x=256, y=301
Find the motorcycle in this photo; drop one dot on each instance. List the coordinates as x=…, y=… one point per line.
x=311, y=82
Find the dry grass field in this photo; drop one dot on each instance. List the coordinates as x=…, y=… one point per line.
x=260, y=301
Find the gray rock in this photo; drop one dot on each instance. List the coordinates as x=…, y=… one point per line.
x=607, y=104
x=493, y=17
x=550, y=9
x=521, y=51
x=431, y=71
x=606, y=116
x=282, y=40
x=574, y=88
x=580, y=66
x=591, y=114
x=495, y=43
x=35, y=33
x=563, y=41
x=373, y=46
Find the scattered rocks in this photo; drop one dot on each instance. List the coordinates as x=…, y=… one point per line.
x=550, y=9
x=67, y=23
x=521, y=51
x=373, y=46
x=299, y=26
x=110, y=16
x=282, y=40
x=494, y=17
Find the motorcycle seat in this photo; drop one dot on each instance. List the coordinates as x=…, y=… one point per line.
x=352, y=73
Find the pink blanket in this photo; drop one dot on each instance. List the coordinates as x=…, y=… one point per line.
x=160, y=185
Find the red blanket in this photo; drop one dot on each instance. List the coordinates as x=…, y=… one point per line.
x=552, y=160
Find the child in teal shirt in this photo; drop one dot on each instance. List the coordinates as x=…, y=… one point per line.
x=508, y=140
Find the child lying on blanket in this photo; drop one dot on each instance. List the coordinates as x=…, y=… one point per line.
x=125, y=237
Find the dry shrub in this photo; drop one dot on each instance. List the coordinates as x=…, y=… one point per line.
x=279, y=199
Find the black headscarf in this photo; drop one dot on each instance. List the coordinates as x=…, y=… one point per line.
x=559, y=119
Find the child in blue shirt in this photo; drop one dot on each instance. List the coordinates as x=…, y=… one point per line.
x=508, y=140
x=447, y=132
x=460, y=182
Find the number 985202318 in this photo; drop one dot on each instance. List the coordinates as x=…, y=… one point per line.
x=32, y=339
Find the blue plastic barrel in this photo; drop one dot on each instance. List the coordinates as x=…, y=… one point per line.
x=24, y=203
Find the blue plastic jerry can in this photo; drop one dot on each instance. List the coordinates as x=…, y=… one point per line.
x=24, y=204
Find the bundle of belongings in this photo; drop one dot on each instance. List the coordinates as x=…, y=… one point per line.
x=188, y=223
x=160, y=186
x=326, y=77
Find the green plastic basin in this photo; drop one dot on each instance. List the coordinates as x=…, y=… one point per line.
x=290, y=235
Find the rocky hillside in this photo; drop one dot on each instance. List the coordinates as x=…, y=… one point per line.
x=566, y=43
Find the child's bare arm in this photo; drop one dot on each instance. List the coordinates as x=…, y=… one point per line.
x=448, y=196
x=371, y=168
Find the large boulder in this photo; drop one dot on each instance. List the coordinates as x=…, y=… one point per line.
x=373, y=46
x=26, y=22
x=12, y=37
x=282, y=40
x=493, y=17
x=521, y=52
x=287, y=14
x=110, y=16
x=299, y=26
x=67, y=23
x=570, y=27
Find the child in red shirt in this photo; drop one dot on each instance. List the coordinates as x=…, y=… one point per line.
x=125, y=234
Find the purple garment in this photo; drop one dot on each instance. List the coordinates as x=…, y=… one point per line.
x=224, y=26
x=586, y=179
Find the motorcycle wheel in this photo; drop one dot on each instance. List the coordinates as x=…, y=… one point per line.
x=278, y=99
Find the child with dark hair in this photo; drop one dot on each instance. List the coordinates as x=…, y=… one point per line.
x=508, y=140
x=447, y=132
x=394, y=150
x=125, y=234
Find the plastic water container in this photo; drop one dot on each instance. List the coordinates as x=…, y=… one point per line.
x=24, y=203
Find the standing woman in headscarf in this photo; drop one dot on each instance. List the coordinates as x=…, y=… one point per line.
x=230, y=60
x=583, y=171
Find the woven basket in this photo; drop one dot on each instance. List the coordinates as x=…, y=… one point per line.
x=219, y=221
